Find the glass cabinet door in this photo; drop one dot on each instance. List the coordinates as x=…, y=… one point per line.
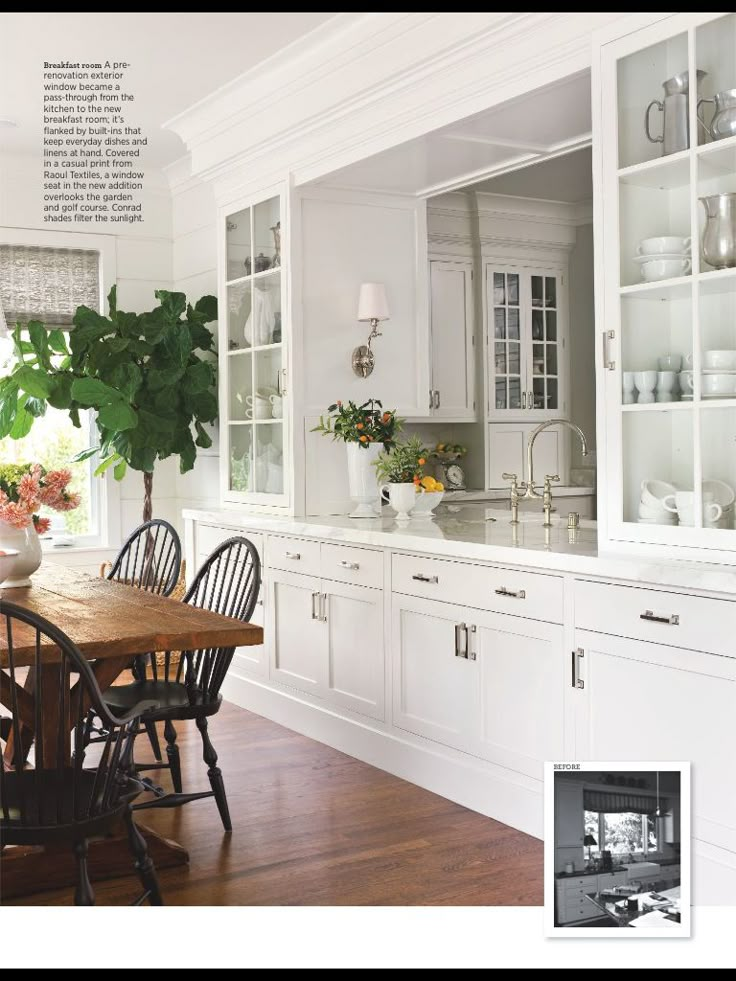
x=670, y=300
x=254, y=359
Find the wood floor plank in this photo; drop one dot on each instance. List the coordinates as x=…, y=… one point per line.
x=313, y=826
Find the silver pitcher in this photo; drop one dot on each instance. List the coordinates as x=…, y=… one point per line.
x=674, y=107
x=723, y=123
x=719, y=234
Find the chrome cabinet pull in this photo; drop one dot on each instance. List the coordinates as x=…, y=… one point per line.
x=354, y=566
x=673, y=620
x=608, y=335
x=315, y=610
x=461, y=640
x=437, y=398
x=323, y=604
x=420, y=577
x=523, y=400
x=293, y=555
x=519, y=594
x=472, y=653
x=577, y=657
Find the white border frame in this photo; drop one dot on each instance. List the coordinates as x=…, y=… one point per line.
x=681, y=930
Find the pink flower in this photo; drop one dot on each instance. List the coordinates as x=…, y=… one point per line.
x=15, y=515
x=68, y=502
x=42, y=524
x=29, y=492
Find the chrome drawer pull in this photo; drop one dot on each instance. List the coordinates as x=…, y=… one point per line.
x=519, y=594
x=349, y=565
x=293, y=555
x=673, y=620
x=316, y=611
x=420, y=577
x=461, y=649
x=577, y=657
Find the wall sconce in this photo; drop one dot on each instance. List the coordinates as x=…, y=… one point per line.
x=372, y=308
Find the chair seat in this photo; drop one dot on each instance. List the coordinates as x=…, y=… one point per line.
x=48, y=800
x=173, y=700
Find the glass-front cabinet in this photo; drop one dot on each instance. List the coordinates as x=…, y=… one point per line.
x=666, y=193
x=526, y=319
x=253, y=356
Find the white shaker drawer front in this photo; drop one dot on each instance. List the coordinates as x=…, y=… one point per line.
x=208, y=537
x=343, y=563
x=293, y=554
x=675, y=619
x=585, y=912
x=524, y=594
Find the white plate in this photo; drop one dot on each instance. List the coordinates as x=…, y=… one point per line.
x=718, y=371
x=718, y=395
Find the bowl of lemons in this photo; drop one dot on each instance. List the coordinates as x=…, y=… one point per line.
x=429, y=494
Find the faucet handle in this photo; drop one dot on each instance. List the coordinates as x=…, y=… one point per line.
x=513, y=477
x=548, y=478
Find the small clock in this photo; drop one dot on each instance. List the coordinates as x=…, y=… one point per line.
x=454, y=477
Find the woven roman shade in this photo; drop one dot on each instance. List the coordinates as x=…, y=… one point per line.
x=613, y=802
x=44, y=284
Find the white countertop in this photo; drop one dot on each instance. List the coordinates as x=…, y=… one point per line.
x=468, y=535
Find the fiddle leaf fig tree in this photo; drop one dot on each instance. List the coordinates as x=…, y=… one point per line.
x=149, y=376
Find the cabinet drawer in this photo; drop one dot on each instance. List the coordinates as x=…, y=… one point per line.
x=343, y=563
x=208, y=537
x=586, y=912
x=293, y=554
x=524, y=594
x=693, y=622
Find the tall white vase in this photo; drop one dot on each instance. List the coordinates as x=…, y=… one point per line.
x=28, y=545
x=363, y=479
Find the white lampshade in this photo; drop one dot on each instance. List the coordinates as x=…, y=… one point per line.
x=372, y=304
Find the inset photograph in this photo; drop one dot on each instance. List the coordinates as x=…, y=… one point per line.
x=617, y=849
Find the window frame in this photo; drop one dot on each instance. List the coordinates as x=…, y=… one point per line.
x=646, y=850
x=106, y=491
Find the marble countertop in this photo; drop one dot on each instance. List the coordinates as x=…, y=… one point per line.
x=502, y=494
x=471, y=534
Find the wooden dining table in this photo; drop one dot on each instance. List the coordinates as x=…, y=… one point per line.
x=110, y=623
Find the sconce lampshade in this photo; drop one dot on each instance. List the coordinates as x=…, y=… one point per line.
x=372, y=303
x=589, y=840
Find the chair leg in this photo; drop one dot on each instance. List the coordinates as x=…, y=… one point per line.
x=143, y=864
x=153, y=738
x=83, y=894
x=215, y=774
x=172, y=751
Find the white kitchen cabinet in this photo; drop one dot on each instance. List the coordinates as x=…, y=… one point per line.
x=569, y=823
x=642, y=192
x=452, y=341
x=522, y=676
x=507, y=443
x=327, y=639
x=648, y=701
x=526, y=343
x=296, y=632
x=436, y=690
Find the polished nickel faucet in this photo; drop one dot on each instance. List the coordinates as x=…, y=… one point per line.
x=529, y=489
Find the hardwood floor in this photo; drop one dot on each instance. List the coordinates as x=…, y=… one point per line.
x=313, y=826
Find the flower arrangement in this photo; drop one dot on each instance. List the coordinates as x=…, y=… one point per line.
x=27, y=487
x=363, y=424
x=403, y=464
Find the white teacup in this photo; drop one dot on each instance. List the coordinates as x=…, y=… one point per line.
x=669, y=362
x=653, y=493
x=665, y=384
x=401, y=497
x=277, y=407
x=664, y=245
x=654, y=269
x=686, y=382
x=646, y=382
x=682, y=503
x=258, y=408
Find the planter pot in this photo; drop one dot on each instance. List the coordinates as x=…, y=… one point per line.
x=402, y=498
x=28, y=546
x=363, y=480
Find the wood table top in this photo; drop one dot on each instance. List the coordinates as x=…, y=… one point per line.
x=111, y=620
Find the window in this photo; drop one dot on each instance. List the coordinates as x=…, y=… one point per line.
x=622, y=833
x=48, y=284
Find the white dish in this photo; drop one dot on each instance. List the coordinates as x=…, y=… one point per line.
x=426, y=502
x=664, y=245
x=718, y=395
x=660, y=520
x=660, y=257
x=718, y=371
x=720, y=359
x=653, y=492
x=718, y=384
x=657, y=268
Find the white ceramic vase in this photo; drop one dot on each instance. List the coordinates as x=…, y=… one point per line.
x=28, y=545
x=363, y=479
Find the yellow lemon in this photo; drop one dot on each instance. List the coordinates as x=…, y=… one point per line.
x=439, y=486
x=428, y=483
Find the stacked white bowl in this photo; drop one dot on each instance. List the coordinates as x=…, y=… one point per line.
x=663, y=257
x=651, y=503
x=719, y=374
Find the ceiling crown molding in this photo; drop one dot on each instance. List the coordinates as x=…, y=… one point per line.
x=363, y=83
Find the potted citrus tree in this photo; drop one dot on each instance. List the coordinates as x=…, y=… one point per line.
x=400, y=472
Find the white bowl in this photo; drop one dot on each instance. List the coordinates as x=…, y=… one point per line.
x=722, y=492
x=660, y=519
x=427, y=501
x=7, y=558
x=725, y=360
x=654, y=268
x=653, y=491
x=718, y=384
x=664, y=245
